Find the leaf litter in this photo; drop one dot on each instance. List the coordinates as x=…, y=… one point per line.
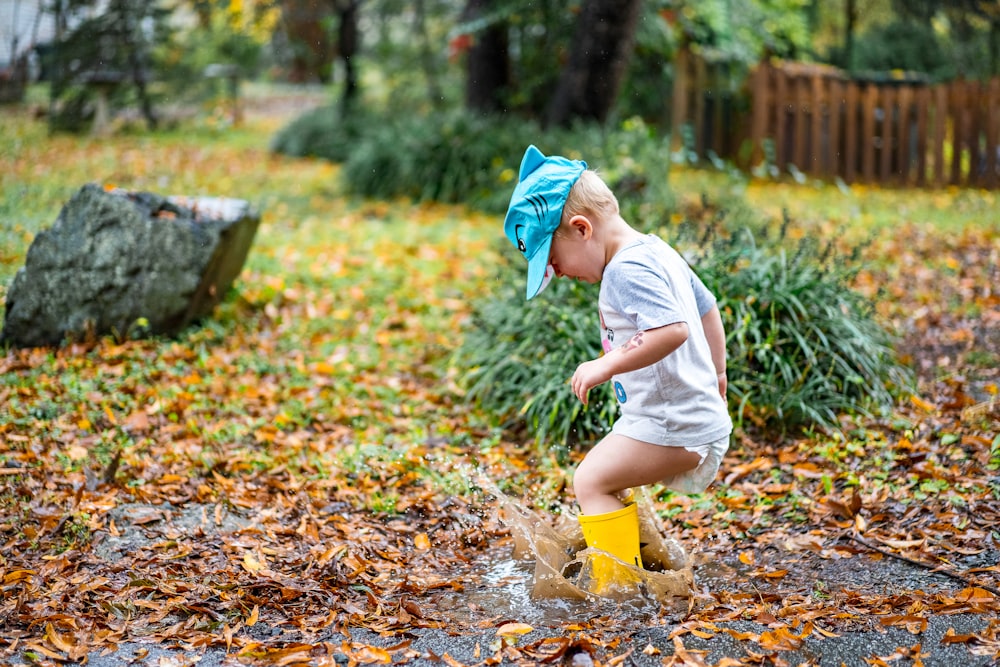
x=302, y=467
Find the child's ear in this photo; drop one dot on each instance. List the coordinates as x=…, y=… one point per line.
x=581, y=224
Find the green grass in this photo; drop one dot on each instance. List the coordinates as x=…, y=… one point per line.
x=342, y=311
x=857, y=210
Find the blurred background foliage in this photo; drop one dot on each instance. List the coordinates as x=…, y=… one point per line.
x=436, y=100
x=511, y=57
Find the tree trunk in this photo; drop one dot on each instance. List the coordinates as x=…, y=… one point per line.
x=602, y=45
x=487, y=62
x=434, y=95
x=136, y=57
x=995, y=47
x=304, y=23
x=347, y=48
x=851, y=11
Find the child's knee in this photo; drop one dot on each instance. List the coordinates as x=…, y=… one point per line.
x=586, y=481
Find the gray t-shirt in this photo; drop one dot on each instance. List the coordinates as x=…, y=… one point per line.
x=676, y=400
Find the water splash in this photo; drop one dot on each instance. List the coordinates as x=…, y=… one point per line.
x=545, y=579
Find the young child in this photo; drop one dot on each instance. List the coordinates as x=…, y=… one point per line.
x=663, y=340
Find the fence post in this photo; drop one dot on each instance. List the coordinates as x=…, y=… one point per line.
x=957, y=102
x=678, y=113
x=800, y=98
x=903, y=155
x=870, y=100
x=780, y=117
x=698, y=89
x=992, y=124
x=923, y=102
x=851, y=131
x=975, y=95
x=819, y=105
x=887, y=102
x=760, y=86
x=940, y=128
x=835, y=100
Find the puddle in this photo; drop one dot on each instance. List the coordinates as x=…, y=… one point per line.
x=502, y=590
x=543, y=579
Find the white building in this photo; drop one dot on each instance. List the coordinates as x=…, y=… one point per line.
x=25, y=24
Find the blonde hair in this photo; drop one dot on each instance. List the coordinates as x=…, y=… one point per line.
x=590, y=196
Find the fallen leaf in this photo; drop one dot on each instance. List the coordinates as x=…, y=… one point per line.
x=514, y=629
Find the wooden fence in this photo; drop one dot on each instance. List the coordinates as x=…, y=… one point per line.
x=894, y=131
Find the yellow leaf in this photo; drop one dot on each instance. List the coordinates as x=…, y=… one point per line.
x=780, y=639
x=373, y=654
x=46, y=651
x=254, y=616
x=58, y=640
x=77, y=452
x=17, y=575
x=324, y=368
x=422, y=542
x=251, y=564
x=747, y=557
x=903, y=544
x=514, y=629
x=974, y=594
x=921, y=403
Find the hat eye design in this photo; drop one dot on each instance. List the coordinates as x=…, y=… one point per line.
x=520, y=241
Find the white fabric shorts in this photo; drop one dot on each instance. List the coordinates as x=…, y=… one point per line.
x=701, y=477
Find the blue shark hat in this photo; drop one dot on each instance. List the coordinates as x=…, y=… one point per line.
x=536, y=209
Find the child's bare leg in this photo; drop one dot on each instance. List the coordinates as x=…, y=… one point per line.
x=617, y=463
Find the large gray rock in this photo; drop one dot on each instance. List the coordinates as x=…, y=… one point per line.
x=121, y=262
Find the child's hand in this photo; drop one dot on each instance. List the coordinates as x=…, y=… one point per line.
x=589, y=374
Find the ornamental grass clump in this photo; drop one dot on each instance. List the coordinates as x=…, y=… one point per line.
x=804, y=347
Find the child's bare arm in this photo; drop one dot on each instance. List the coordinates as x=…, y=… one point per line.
x=643, y=349
x=715, y=332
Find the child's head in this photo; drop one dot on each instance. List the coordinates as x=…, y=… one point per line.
x=590, y=196
x=536, y=209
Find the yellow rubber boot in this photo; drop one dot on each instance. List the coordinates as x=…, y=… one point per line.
x=616, y=533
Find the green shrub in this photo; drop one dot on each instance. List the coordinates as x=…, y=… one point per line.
x=803, y=347
x=460, y=157
x=449, y=157
x=903, y=45
x=322, y=132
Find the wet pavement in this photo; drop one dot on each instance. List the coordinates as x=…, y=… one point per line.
x=646, y=647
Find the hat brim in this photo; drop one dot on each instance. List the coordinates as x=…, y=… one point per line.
x=537, y=266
